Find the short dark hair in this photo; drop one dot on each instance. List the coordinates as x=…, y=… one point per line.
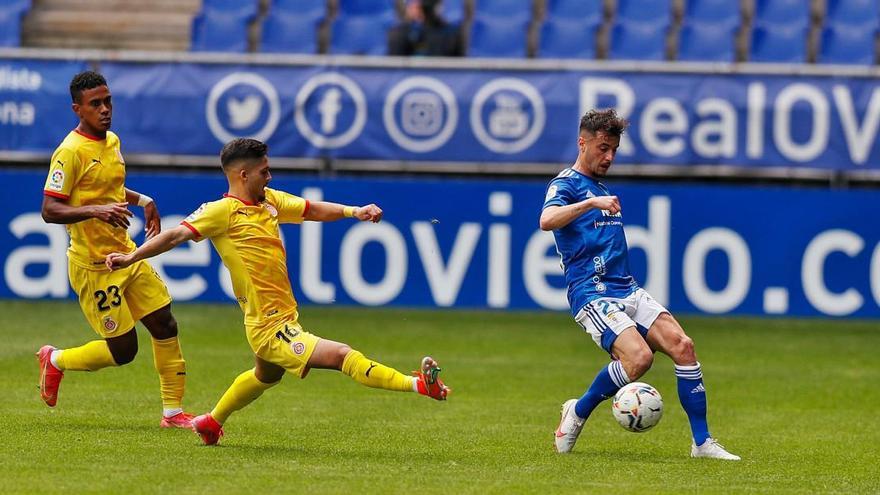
x=83, y=81
x=242, y=149
x=603, y=120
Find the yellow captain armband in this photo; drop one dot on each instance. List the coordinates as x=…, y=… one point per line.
x=348, y=211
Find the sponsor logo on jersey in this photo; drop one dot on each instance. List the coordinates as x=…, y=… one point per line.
x=56, y=181
x=192, y=216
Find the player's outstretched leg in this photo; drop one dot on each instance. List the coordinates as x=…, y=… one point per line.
x=576, y=411
x=376, y=375
x=53, y=362
x=692, y=395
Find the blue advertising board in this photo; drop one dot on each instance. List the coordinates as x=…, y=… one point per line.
x=443, y=114
x=476, y=244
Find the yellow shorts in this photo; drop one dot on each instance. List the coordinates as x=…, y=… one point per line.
x=113, y=301
x=285, y=344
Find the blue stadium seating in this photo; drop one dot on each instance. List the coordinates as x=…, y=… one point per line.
x=309, y=7
x=222, y=25
x=285, y=32
x=780, y=31
x=575, y=9
x=503, y=8
x=503, y=37
x=779, y=43
x=639, y=40
x=853, y=12
x=11, y=12
x=648, y=11
x=708, y=31
x=782, y=12
x=563, y=38
x=847, y=44
x=712, y=11
x=570, y=28
x=363, y=28
x=707, y=42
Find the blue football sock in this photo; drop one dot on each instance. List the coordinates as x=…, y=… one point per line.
x=692, y=395
x=608, y=381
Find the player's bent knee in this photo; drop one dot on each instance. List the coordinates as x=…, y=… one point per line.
x=341, y=352
x=124, y=356
x=638, y=364
x=683, y=351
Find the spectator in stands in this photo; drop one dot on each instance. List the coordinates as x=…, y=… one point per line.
x=424, y=32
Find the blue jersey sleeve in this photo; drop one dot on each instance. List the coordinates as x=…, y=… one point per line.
x=559, y=193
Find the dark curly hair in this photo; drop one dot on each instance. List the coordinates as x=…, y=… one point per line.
x=242, y=149
x=603, y=120
x=83, y=81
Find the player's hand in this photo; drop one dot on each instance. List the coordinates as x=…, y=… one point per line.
x=610, y=203
x=153, y=225
x=116, y=214
x=370, y=212
x=115, y=261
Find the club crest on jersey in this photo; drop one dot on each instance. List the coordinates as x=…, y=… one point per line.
x=271, y=209
x=56, y=181
x=298, y=348
x=551, y=192
x=109, y=324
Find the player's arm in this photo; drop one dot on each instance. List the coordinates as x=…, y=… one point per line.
x=151, y=214
x=555, y=217
x=324, y=211
x=157, y=245
x=57, y=210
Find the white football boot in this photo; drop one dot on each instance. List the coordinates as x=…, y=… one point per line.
x=570, y=426
x=713, y=450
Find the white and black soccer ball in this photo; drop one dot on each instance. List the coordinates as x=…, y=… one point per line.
x=637, y=407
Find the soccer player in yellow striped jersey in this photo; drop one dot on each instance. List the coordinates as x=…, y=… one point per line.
x=244, y=228
x=85, y=190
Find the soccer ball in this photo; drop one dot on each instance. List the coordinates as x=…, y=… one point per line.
x=637, y=407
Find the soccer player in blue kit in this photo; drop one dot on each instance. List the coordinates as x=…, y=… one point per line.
x=606, y=301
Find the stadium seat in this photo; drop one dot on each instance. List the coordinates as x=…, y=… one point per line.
x=568, y=38
x=707, y=42
x=647, y=11
x=298, y=6
x=853, y=12
x=780, y=31
x=575, y=10
x=847, y=44
x=712, y=11
x=499, y=37
x=285, y=32
x=222, y=25
x=631, y=40
x=570, y=28
x=782, y=12
x=779, y=43
x=365, y=7
x=503, y=8
x=362, y=33
x=11, y=12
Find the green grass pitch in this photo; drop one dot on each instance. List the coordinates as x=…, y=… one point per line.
x=797, y=399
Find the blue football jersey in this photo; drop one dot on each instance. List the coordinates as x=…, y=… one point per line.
x=592, y=247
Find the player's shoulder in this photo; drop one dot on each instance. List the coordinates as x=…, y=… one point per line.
x=112, y=138
x=565, y=178
x=275, y=195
